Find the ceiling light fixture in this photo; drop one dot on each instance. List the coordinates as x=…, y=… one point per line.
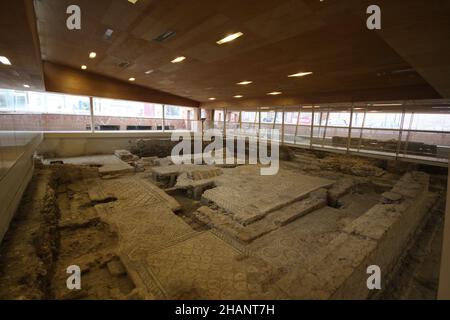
x=238, y=96
x=131, y=79
x=26, y=86
x=4, y=60
x=386, y=104
x=275, y=93
x=108, y=34
x=212, y=99
x=178, y=59
x=149, y=71
x=244, y=83
x=83, y=67
x=132, y=1
x=230, y=38
x=92, y=55
x=299, y=74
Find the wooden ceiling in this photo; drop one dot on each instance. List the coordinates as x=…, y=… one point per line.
x=281, y=37
x=20, y=44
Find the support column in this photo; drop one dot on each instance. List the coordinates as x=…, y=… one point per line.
x=444, y=279
x=163, y=117
x=296, y=127
x=362, y=129
x=282, y=127
x=325, y=129
x=399, y=142
x=349, y=138
x=91, y=108
x=312, y=127
x=225, y=122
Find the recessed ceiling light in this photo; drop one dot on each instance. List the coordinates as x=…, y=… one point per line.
x=212, y=99
x=178, y=59
x=230, y=38
x=92, y=55
x=244, y=83
x=275, y=93
x=299, y=74
x=26, y=85
x=238, y=96
x=83, y=67
x=132, y=1
x=131, y=79
x=5, y=60
x=149, y=71
x=108, y=34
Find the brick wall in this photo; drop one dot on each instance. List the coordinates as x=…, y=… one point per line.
x=61, y=122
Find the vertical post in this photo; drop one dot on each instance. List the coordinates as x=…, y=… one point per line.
x=362, y=129
x=408, y=136
x=91, y=108
x=296, y=127
x=240, y=120
x=444, y=279
x=163, y=117
x=312, y=128
x=259, y=120
x=282, y=127
x=225, y=122
x=400, y=133
x=326, y=128
x=349, y=139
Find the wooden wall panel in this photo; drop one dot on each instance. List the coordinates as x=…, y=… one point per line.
x=59, y=78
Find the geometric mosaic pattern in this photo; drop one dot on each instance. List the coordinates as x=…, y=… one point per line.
x=206, y=267
x=168, y=258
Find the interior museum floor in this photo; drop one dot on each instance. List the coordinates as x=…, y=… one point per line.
x=140, y=227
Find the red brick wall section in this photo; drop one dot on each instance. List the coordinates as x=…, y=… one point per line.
x=61, y=122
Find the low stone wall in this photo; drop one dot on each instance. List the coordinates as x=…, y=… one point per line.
x=379, y=237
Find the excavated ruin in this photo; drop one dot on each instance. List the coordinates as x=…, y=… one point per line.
x=144, y=228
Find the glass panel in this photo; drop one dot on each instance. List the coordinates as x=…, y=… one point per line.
x=115, y=115
x=36, y=111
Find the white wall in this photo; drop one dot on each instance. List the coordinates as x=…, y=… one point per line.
x=16, y=152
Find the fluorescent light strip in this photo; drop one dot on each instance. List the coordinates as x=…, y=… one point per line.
x=230, y=38
x=244, y=83
x=4, y=60
x=178, y=59
x=276, y=93
x=386, y=104
x=299, y=74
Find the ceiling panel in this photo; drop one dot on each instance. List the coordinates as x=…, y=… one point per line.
x=280, y=38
